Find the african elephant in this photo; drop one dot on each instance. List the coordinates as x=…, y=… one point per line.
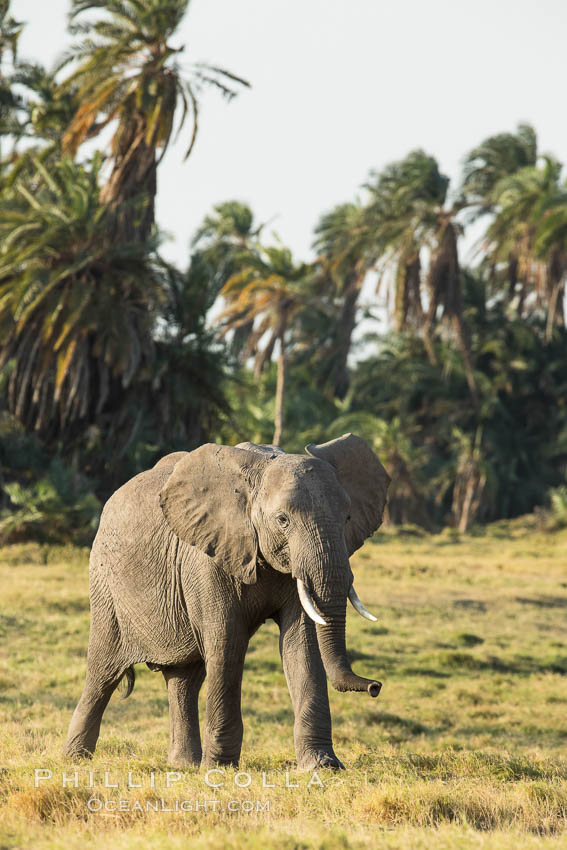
x=192, y=556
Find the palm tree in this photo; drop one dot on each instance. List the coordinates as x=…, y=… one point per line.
x=77, y=306
x=224, y=245
x=485, y=167
x=347, y=251
x=495, y=158
x=411, y=215
x=529, y=204
x=128, y=72
x=551, y=246
x=184, y=397
x=272, y=289
x=46, y=108
x=226, y=232
x=10, y=31
x=471, y=472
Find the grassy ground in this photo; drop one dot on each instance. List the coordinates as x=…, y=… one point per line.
x=465, y=747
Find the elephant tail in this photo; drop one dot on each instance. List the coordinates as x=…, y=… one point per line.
x=130, y=677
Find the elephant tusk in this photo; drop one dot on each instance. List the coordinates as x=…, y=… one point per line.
x=307, y=603
x=356, y=603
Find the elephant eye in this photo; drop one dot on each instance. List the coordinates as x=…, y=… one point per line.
x=348, y=518
x=282, y=520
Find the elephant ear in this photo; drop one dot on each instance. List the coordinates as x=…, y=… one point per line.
x=206, y=502
x=364, y=479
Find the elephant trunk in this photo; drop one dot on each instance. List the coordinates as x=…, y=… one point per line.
x=331, y=580
x=332, y=645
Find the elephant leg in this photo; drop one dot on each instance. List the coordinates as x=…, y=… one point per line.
x=307, y=685
x=223, y=726
x=183, y=686
x=106, y=665
x=85, y=724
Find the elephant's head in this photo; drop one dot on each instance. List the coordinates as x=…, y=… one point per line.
x=303, y=515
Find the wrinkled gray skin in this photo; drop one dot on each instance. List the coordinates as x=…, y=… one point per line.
x=192, y=556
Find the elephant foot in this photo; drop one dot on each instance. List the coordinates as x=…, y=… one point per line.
x=75, y=750
x=220, y=761
x=183, y=758
x=315, y=759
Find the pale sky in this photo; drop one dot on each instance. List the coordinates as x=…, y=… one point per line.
x=340, y=87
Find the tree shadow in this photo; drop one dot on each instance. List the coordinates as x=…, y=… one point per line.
x=524, y=665
x=473, y=604
x=543, y=601
x=394, y=721
x=423, y=671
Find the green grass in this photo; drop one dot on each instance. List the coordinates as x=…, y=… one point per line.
x=464, y=748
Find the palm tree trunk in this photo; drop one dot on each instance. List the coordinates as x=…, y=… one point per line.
x=556, y=290
x=239, y=339
x=346, y=327
x=522, y=299
x=444, y=284
x=512, y=275
x=463, y=341
x=280, y=391
x=133, y=179
x=465, y=516
x=560, y=307
x=428, y=345
x=409, y=308
x=554, y=310
x=429, y=320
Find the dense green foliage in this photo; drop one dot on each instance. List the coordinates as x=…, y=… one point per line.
x=111, y=357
